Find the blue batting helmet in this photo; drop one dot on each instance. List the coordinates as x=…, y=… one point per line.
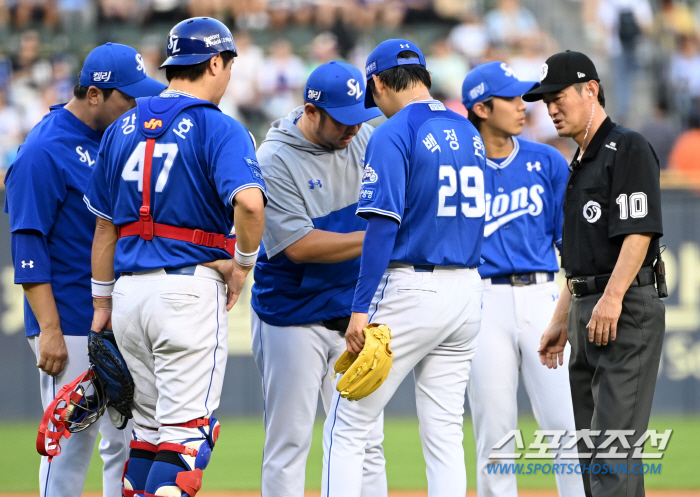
x=197, y=39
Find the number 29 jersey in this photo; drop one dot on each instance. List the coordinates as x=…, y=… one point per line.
x=424, y=167
x=201, y=159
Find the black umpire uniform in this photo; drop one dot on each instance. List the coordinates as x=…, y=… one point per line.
x=612, y=192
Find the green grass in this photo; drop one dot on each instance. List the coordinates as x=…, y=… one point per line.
x=238, y=454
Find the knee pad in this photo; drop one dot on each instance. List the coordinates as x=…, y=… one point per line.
x=137, y=467
x=178, y=467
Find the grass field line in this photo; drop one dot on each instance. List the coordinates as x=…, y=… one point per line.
x=521, y=493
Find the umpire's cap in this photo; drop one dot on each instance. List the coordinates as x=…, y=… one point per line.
x=561, y=71
x=339, y=88
x=197, y=39
x=493, y=79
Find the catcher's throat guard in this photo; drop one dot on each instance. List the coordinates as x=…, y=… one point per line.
x=78, y=405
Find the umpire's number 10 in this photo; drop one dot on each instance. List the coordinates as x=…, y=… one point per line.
x=637, y=205
x=467, y=174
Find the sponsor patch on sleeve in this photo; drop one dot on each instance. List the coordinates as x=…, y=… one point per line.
x=368, y=194
x=254, y=168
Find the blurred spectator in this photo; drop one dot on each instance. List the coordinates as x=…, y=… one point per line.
x=453, y=9
x=527, y=61
x=250, y=14
x=242, y=97
x=28, y=66
x=661, y=132
x=24, y=12
x=448, y=71
x=172, y=11
x=10, y=133
x=624, y=22
x=77, y=14
x=323, y=48
x=5, y=71
x=509, y=23
x=685, y=152
x=33, y=111
x=673, y=20
x=117, y=10
x=684, y=77
x=470, y=38
x=281, y=80
x=63, y=78
x=299, y=11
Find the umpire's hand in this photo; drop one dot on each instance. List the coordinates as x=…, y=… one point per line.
x=603, y=324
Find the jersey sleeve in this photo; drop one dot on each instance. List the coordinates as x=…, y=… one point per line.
x=635, y=203
x=97, y=195
x=30, y=255
x=231, y=156
x=286, y=218
x=560, y=177
x=384, y=179
x=36, y=188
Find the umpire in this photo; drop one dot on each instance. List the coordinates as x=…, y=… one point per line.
x=612, y=226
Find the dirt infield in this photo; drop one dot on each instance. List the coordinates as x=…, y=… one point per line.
x=521, y=493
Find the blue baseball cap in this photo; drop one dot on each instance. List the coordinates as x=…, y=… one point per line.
x=338, y=88
x=385, y=56
x=494, y=79
x=119, y=66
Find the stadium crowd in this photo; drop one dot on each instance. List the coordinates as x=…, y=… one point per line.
x=652, y=48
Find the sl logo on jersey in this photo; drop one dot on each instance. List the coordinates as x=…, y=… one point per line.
x=313, y=184
x=477, y=91
x=355, y=90
x=102, y=76
x=84, y=155
x=315, y=95
x=369, y=175
x=30, y=264
x=534, y=167
x=591, y=211
x=153, y=124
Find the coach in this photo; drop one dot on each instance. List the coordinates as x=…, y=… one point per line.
x=612, y=223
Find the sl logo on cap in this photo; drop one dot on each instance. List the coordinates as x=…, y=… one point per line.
x=153, y=124
x=543, y=72
x=102, y=76
x=355, y=90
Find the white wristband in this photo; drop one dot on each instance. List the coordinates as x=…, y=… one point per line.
x=246, y=259
x=102, y=289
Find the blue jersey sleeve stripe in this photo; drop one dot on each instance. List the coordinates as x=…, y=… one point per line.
x=380, y=211
x=245, y=187
x=95, y=211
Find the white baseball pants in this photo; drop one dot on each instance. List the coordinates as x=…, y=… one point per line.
x=296, y=363
x=173, y=333
x=514, y=318
x=434, y=318
x=65, y=475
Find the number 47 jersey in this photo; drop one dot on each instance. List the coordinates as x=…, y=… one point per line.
x=201, y=159
x=424, y=167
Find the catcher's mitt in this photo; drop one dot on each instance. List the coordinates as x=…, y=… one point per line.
x=363, y=373
x=113, y=375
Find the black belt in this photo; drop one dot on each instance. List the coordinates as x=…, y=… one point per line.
x=590, y=285
x=337, y=324
x=186, y=270
x=521, y=279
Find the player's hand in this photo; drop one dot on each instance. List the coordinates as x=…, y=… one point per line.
x=354, y=336
x=552, y=345
x=102, y=316
x=53, y=353
x=234, y=275
x=603, y=324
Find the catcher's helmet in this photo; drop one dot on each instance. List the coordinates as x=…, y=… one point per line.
x=197, y=39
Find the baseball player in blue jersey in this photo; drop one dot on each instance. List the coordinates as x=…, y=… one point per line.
x=423, y=198
x=169, y=178
x=524, y=184
x=51, y=235
x=304, y=283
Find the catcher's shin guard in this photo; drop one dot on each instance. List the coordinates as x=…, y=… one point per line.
x=137, y=467
x=178, y=467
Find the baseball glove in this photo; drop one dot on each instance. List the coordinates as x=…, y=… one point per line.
x=363, y=373
x=112, y=373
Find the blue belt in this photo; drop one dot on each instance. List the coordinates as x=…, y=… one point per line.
x=185, y=270
x=521, y=279
x=424, y=268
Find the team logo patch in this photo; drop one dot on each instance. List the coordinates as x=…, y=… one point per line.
x=368, y=194
x=315, y=95
x=371, y=67
x=592, y=211
x=254, y=168
x=153, y=124
x=102, y=76
x=313, y=184
x=507, y=70
x=437, y=106
x=543, y=72
x=355, y=90
x=477, y=91
x=30, y=264
x=369, y=176
x=534, y=167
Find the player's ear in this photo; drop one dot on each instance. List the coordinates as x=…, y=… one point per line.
x=480, y=110
x=94, y=95
x=378, y=85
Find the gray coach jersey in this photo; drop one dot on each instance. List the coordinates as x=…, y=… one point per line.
x=309, y=187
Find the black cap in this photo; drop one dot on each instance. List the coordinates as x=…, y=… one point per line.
x=561, y=71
